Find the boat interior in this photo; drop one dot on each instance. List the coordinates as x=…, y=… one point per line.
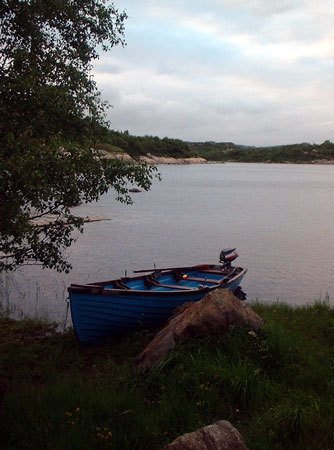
x=177, y=279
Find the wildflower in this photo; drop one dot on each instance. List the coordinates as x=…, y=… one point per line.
x=252, y=333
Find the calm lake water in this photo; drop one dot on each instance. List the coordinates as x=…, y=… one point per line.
x=280, y=217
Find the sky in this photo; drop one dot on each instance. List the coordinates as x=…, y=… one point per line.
x=252, y=72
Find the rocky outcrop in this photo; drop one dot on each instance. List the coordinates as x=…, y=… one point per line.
x=213, y=315
x=122, y=156
x=151, y=159
x=219, y=436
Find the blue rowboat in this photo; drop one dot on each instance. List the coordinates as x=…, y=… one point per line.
x=112, y=307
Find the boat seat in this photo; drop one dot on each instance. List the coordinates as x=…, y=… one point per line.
x=183, y=276
x=175, y=286
x=214, y=271
x=150, y=281
x=227, y=272
x=201, y=280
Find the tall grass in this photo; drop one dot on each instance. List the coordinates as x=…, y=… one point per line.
x=276, y=386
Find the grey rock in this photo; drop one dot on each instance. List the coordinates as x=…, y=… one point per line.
x=220, y=435
x=213, y=315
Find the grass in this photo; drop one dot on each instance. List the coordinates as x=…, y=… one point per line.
x=275, y=386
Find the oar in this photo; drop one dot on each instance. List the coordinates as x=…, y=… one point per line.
x=160, y=269
x=168, y=268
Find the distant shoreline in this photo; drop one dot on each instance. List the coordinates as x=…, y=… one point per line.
x=169, y=160
x=311, y=163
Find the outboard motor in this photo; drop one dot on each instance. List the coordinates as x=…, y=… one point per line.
x=227, y=255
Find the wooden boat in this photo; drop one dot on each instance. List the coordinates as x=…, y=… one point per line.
x=112, y=307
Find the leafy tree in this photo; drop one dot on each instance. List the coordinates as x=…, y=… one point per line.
x=51, y=115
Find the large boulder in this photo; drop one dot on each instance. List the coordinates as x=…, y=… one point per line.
x=213, y=315
x=219, y=436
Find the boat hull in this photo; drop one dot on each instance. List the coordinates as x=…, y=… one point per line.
x=99, y=311
x=96, y=316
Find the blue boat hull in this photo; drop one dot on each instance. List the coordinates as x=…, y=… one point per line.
x=101, y=309
x=98, y=316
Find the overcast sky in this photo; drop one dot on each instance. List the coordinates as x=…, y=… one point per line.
x=256, y=72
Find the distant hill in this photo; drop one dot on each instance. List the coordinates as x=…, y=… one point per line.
x=137, y=146
x=295, y=153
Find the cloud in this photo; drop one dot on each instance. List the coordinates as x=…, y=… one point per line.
x=252, y=72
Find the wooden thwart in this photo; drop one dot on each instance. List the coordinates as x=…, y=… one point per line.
x=202, y=280
x=152, y=282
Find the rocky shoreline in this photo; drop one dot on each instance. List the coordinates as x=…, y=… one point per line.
x=169, y=160
x=151, y=159
x=155, y=160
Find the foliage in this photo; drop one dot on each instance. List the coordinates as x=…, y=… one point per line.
x=275, y=386
x=142, y=145
x=51, y=116
x=295, y=153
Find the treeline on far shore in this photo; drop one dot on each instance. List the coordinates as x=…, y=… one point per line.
x=136, y=146
x=295, y=153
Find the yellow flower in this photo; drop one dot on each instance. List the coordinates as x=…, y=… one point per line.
x=252, y=333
